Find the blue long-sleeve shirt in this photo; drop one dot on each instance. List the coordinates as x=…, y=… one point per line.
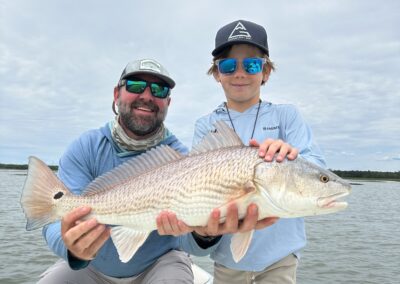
x=286, y=236
x=88, y=157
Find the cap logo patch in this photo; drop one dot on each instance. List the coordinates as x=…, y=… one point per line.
x=150, y=65
x=239, y=32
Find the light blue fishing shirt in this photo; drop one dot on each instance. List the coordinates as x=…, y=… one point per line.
x=286, y=236
x=88, y=157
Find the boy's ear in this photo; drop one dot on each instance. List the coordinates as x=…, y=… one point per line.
x=266, y=74
x=216, y=76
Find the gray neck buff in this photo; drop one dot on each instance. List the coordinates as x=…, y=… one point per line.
x=125, y=142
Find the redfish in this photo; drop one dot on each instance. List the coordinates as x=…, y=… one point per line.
x=218, y=171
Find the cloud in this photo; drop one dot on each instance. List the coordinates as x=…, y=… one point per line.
x=337, y=61
x=396, y=158
x=388, y=158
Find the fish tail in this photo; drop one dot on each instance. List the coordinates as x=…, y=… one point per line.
x=41, y=189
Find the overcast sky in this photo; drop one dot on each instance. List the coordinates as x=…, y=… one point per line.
x=337, y=61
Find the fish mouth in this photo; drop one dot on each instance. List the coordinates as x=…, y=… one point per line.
x=332, y=201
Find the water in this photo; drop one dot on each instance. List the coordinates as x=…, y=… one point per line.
x=358, y=245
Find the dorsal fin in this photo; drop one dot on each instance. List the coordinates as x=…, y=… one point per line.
x=222, y=137
x=150, y=160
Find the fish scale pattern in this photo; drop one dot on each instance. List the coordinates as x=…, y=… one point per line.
x=191, y=188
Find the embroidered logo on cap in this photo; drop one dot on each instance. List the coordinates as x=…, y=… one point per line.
x=239, y=32
x=150, y=65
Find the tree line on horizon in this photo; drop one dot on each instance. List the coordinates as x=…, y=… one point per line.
x=22, y=167
x=368, y=174
x=341, y=173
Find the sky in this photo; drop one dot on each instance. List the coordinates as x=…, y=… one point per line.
x=337, y=61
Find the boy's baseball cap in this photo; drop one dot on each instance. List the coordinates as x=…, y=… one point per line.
x=241, y=31
x=147, y=66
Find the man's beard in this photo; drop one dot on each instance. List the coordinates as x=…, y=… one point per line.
x=140, y=125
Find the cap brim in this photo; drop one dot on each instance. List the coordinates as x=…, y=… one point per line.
x=220, y=48
x=168, y=80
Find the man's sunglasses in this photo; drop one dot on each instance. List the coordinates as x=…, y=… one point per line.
x=158, y=90
x=251, y=65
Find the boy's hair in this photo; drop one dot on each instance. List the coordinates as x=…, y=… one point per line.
x=224, y=54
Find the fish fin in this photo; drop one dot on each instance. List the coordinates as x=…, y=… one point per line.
x=37, y=199
x=246, y=191
x=242, y=198
x=240, y=243
x=222, y=137
x=127, y=241
x=150, y=160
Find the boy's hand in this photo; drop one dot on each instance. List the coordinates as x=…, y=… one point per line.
x=268, y=148
x=232, y=223
x=168, y=224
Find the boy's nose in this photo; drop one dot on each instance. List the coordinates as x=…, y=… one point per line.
x=239, y=70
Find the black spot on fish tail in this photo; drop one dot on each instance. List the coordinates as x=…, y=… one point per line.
x=58, y=195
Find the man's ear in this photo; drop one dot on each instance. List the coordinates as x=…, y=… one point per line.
x=116, y=93
x=168, y=101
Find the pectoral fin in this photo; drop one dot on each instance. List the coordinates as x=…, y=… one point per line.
x=240, y=243
x=127, y=241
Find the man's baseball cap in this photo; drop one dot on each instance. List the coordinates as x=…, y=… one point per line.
x=147, y=66
x=241, y=31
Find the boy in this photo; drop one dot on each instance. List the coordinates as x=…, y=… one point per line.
x=241, y=65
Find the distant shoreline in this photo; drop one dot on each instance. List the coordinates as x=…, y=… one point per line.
x=356, y=175
x=21, y=167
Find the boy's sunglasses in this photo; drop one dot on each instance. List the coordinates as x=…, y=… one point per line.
x=251, y=65
x=158, y=90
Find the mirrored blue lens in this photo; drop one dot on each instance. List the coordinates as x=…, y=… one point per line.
x=253, y=65
x=227, y=66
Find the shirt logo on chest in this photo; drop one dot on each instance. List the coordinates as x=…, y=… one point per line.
x=270, y=128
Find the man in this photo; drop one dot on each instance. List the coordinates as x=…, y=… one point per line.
x=141, y=97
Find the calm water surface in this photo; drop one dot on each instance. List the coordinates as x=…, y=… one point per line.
x=358, y=245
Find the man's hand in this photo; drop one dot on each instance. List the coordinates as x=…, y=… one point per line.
x=83, y=238
x=268, y=148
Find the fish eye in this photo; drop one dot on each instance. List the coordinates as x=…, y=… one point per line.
x=324, y=178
